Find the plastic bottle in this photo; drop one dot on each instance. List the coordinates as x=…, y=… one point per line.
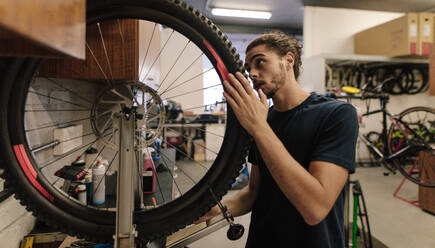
x=105, y=163
x=91, y=155
x=81, y=194
x=98, y=184
x=88, y=184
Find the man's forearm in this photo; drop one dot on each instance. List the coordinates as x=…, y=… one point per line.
x=241, y=203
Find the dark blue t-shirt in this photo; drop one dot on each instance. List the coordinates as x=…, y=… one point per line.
x=319, y=129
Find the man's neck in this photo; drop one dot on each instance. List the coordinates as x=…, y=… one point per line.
x=289, y=96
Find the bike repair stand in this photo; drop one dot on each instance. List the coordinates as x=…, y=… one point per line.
x=125, y=231
x=396, y=192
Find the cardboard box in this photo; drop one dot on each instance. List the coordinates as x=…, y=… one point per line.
x=425, y=33
x=432, y=72
x=398, y=37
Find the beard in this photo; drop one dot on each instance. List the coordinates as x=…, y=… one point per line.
x=277, y=80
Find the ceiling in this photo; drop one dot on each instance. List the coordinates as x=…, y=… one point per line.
x=287, y=15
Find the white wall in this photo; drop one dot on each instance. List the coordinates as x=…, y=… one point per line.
x=330, y=30
x=168, y=59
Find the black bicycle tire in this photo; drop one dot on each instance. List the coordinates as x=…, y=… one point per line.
x=424, y=80
x=150, y=224
x=365, y=225
x=390, y=150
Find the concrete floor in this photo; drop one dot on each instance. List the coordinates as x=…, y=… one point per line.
x=394, y=222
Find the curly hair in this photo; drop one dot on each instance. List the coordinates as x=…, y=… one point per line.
x=281, y=44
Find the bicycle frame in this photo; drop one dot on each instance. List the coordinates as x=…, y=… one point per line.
x=386, y=158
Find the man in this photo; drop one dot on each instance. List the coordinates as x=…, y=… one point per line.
x=304, y=150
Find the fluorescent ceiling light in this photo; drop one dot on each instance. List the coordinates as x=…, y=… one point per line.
x=241, y=13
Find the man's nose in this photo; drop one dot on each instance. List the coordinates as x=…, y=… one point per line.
x=253, y=74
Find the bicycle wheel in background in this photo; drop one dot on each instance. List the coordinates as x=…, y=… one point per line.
x=421, y=120
x=37, y=103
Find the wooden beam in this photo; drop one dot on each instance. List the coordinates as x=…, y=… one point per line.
x=42, y=28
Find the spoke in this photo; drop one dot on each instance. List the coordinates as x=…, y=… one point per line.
x=188, y=80
x=160, y=188
x=158, y=55
x=193, y=91
x=167, y=88
x=127, y=64
x=200, y=129
x=152, y=118
x=169, y=170
x=105, y=125
x=179, y=167
x=133, y=95
x=410, y=118
x=146, y=53
x=96, y=157
x=157, y=179
x=70, y=152
x=67, y=154
x=72, y=92
x=57, y=110
x=425, y=117
x=104, y=113
x=57, y=99
x=114, y=91
x=113, y=102
x=197, y=144
x=105, y=50
x=56, y=124
x=84, y=135
x=172, y=67
x=56, y=142
x=149, y=109
x=204, y=105
x=58, y=178
x=176, y=148
x=98, y=64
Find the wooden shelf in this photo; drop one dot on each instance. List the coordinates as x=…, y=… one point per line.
x=352, y=58
x=43, y=28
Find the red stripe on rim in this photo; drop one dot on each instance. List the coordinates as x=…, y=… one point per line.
x=29, y=171
x=220, y=64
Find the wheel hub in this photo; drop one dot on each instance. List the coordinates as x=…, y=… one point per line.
x=128, y=99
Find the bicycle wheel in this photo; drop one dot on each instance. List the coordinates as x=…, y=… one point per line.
x=36, y=104
x=416, y=126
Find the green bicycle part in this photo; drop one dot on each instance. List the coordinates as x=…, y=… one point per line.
x=355, y=220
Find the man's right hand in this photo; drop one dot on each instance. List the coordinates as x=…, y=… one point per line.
x=214, y=211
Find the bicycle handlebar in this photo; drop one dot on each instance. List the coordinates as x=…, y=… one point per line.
x=359, y=96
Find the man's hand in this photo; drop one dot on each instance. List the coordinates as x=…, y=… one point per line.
x=214, y=211
x=249, y=110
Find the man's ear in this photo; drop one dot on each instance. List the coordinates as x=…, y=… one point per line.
x=289, y=60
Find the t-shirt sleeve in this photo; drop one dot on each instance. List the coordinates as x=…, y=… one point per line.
x=337, y=139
